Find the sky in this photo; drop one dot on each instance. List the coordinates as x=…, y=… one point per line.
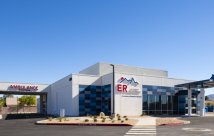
x=44, y=40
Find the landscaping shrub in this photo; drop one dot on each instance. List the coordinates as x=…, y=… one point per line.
x=95, y=119
x=122, y=121
x=60, y=119
x=86, y=120
x=103, y=120
x=144, y=113
x=50, y=118
x=65, y=119
x=102, y=114
x=126, y=119
x=111, y=117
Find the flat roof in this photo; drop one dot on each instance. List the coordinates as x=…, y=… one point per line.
x=208, y=83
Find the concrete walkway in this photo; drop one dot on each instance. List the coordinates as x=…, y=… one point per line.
x=144, y=126
x=209, y=114
x=147, y=121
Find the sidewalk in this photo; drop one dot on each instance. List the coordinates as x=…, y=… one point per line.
x=145, y=126
x=209, y=114
x=146, y=121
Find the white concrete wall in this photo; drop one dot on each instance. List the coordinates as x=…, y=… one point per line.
x=129, y=105
x=91, y=70
x=60, y=96
x=105, y=68
x=12, y=101
x=140, y=71
x=160, y=81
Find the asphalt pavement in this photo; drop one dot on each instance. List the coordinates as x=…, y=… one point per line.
x=26, y=127
x=200, y=126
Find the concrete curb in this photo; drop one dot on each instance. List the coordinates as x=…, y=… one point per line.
x=81, y=124
x=174, y=124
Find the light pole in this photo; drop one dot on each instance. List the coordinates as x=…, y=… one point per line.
x=113, y=73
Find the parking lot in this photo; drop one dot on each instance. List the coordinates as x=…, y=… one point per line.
x=200, y=126
x=26, y=127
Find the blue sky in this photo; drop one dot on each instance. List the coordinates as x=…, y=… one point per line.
x=44, y=40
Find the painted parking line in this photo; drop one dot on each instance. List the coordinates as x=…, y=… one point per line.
x=142, y=130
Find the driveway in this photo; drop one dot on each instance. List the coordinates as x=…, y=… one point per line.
x=26, y=127
x=200, y=126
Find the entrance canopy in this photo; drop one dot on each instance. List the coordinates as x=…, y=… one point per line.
x=203, y=84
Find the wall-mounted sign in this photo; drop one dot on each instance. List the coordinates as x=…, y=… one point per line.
x=24, y=88
x=128, y=86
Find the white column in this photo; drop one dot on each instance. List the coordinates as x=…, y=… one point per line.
x=202, y=102
x=189, y=102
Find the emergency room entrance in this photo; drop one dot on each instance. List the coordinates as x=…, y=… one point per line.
x=195, y=103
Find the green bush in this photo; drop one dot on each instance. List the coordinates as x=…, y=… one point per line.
x=2, y=102
x=86, y=120
x=50, y=118
x=103, y=120
x=111, y=117
x=126, y=119
x=144, y=113
x=60, y=119
x=65, y=119
x=124, y=116
x=102, y=114
x=95, y=119
x=118, y=118
x=122, y=121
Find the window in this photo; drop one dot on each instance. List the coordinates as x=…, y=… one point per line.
x=94, y=99
x=162, y=100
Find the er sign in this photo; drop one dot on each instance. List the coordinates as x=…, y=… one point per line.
x=122, y=88
x=125, y=84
